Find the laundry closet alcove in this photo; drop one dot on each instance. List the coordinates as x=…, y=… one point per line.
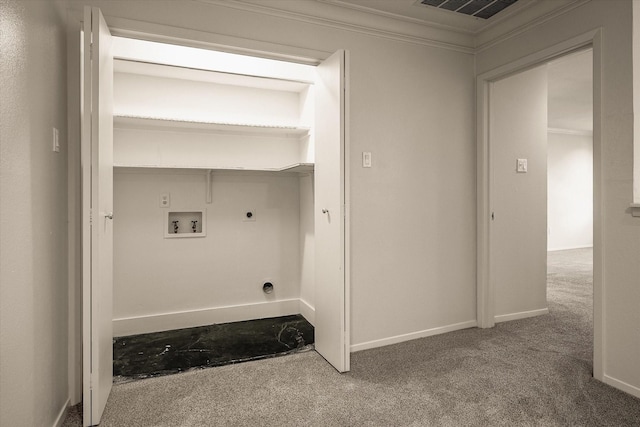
x=232, y=139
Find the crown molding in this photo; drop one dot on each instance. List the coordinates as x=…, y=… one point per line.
x=331, y=15
x=431, y=23
x=523, y=22
x=356, y=18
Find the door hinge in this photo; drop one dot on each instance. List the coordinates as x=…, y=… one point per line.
x=90, y=217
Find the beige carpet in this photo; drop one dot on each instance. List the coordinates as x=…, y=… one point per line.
x=532, y=372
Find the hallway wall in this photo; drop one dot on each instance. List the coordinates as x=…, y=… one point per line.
x=33, y=214
x=570, y=191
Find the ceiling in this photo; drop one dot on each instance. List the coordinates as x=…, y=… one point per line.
x=484, y=9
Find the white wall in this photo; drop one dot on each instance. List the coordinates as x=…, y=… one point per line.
x=570, y=191
x=180, y=99
x=519, y=200
x=620, y=233
x=307, y=248
x=33, y=214
x=168, y=283
x=412, y=106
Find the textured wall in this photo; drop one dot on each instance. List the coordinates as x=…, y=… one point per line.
x=33, y=214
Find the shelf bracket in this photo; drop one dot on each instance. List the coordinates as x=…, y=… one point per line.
x=209, y=198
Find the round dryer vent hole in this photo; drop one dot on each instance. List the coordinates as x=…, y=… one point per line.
x=267, y=288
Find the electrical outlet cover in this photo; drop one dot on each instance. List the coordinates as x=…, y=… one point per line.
x=165, y=200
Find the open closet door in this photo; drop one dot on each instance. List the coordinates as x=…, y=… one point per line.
x=97, y=215
x=331, y=327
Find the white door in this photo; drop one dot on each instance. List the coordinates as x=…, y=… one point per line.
x=331, y=326
x=518, y=239
x=97, y=203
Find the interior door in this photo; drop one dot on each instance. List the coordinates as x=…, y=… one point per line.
x=518, y=239
x=331, y=327
x=97, y=191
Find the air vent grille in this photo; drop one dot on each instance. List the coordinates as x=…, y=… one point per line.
x=484, y=9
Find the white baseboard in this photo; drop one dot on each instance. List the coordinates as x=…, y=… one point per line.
x=413, y=335
x=520, y=315
x=567, y=248
x=621, y=385
x=307, y=312
x=208, y=316
x=62, y=415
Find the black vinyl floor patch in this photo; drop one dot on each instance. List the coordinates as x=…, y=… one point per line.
x=169, y=352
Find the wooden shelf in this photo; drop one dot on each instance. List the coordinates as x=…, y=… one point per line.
x=294, y=168
x=150, y=123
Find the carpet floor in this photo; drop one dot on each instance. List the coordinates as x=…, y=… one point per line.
x=529, y=372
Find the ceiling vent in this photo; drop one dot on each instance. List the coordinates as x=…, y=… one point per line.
x=484, y=9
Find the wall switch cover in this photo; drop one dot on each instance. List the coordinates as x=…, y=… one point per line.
x=366, y=159
x=56, y=140
x=521, y=166
x=165, y=200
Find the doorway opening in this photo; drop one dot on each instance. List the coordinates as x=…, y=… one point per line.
x=523, y=118
x=215, y=189
x=570, y=193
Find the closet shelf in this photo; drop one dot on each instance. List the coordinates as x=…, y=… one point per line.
x=152, y=123
x=296, y=167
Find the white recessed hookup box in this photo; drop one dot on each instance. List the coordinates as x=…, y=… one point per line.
x=184, y=224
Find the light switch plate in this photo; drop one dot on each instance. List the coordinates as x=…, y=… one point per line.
x=56, y=140
x=366, y=159
x=521, y=166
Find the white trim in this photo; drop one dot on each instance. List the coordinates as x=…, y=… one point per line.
x=162, y=33
x=307, y=311
x=528, y=25
x=621, y=385
x=201, y=317
x=464, y=29
x=413, y=335
x=521, y=315
x=485, y=292
x=347, y=209
x=568, y=248
x=576, y=132
x=448, y=39
x=61, y=415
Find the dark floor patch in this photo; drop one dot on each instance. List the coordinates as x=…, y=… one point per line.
x=169, y=352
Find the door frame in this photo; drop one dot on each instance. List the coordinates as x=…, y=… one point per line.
x=122, y=27
x=484, y=285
